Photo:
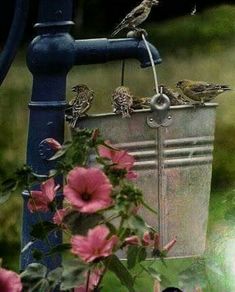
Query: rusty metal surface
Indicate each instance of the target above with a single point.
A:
(174, 165)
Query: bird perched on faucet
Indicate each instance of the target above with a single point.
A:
(201, 91)
(122, 101)
(80, 104)
(138, 15)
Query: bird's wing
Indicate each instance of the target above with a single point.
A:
(137, 11)
(200, 87)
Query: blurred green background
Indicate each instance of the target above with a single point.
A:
(200, 47)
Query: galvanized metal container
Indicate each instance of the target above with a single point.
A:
(174, 165)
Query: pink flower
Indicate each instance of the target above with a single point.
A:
(55, 145)
(59, 216)
(120, 158)
(93, 281)
(9, 281)
(132, 240)
(39, 200)
(88, 190)
(95, 245)
(169, 245)
(150, 239)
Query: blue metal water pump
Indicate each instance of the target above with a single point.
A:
(51, 54)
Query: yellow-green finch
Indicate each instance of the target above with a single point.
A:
(201, 91)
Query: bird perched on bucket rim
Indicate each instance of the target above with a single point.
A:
(80, 104)
(201, 91)
(138, 15)
(122, 101)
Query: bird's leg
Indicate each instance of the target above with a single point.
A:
(142, 31)
(202, 102)
(137, 32)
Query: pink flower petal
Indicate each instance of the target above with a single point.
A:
(88, 190)
(48, 189)
(59, 216)
(120, 158)
(132, 240)
(10, 281)
(95, 245)
(54, 144)
(39, 200)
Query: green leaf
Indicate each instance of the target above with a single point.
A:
(6, 188)
(137, 223)
(153, 273)
(132, 254)
(61, 152)
(41, 286)
(80, 223)
(4, 197)
(37, 254)
(114, 264)
(60, 248)
(8, 185)
(40, 230)
(73, 275)
(33, 274)
(135, 255)
(54, 277)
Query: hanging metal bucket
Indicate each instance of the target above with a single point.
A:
(174, 165)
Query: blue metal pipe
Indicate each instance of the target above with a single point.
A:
(50, 57)
(95, 51)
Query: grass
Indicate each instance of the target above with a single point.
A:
(215, 64)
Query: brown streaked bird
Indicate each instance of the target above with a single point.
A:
(80, 104)
(140, 102)
(201, 91)
(122, 100)
(138, 15)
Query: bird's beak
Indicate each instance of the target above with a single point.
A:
(177, 85)
(155, 2)
(74, 89)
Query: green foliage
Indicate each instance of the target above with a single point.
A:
(73, 274)
(213, 28)
(114, 264)
(37, 279)
(80, 223)
(42, 229)
(135, 255)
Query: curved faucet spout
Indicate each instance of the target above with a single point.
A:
(95, 51)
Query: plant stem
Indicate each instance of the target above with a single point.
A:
(88, 280)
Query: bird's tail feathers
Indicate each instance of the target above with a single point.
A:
(225, 87)
(117, 30)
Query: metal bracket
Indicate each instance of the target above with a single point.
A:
(160, 104)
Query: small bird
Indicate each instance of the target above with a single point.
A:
(140, 102)
(136, 16)
(80, 104)
(201, 91)
(122, 100)
(175, 97)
